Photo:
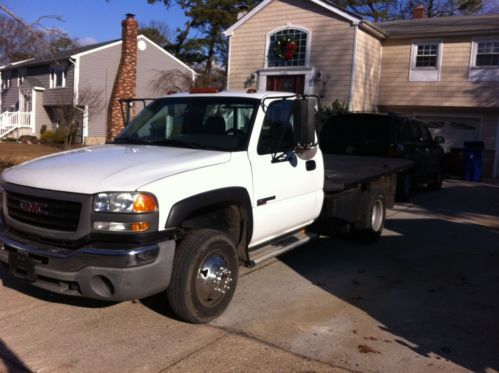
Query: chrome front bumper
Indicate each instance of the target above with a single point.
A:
(90, 272)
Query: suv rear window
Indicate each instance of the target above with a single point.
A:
(356, 134)
(408, 131)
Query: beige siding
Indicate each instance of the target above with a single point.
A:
(367, 71)
(453, 89)
(331, 45)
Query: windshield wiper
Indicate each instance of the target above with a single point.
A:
(181, 143)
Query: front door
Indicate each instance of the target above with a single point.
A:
(286, 83)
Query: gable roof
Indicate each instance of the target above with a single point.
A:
(326, 4)
(78, 51)
(57, 55)
(438, 26)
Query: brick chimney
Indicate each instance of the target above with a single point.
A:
(418, 12)
(125, 83)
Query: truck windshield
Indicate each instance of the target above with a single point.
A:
(219, 123)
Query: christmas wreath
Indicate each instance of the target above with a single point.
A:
(285, 48)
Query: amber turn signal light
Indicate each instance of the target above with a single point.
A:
(144, 203)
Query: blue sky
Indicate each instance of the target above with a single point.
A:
(94, 20)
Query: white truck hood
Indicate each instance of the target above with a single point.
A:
(109, 168)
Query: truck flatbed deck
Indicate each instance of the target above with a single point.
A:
(342, 172)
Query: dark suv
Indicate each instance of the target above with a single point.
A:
(388, 135)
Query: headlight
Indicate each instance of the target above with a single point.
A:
(134, 202)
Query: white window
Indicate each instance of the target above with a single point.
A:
(21, 75)
(6, 78)
(484, 60)
(57, 76)
(487, 53)
(288, 47)
(426, 58)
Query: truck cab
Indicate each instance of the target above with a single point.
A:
(192, 185)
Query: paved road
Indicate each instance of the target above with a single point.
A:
(425, 298)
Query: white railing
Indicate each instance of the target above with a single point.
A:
(12, 120)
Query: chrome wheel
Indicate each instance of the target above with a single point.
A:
(377, 215)
(213, 281)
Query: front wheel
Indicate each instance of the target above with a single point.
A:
(204, 277)
(369, 226)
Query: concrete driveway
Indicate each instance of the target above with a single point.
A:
(424, 298)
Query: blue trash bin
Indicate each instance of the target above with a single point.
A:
(472, 160)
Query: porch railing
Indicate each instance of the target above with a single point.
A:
(13, 120)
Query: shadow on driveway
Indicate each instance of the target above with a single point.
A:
(432, 283)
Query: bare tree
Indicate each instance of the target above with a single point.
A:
(171, 80)
(69, 115)
(20, 40)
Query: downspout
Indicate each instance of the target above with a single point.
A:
(228, 60)
(354, 66)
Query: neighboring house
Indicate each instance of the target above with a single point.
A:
(443, 70)
(31, 90)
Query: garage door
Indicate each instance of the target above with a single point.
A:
(455, 130)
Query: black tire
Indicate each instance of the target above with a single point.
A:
(405, 186)
(436, 184)
(204, 276)
(369, 226)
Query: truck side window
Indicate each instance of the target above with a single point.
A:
(277, 128)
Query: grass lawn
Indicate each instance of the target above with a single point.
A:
(15, 153)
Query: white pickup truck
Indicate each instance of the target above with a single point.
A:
(197, 184)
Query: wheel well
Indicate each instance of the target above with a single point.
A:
(228, 218)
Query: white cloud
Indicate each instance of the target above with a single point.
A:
(87, 40)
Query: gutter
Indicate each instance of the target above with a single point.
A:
(354, 67)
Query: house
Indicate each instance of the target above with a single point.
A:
(34, 91)
(443, 70)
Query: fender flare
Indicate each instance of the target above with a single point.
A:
(232, 195)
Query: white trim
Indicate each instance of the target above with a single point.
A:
(308, 83)
(33, 111)
(167, 53)
(354, 66)
(84, 133)
(53, 76)
(22, 74)
(263, 4)
(113, 44)
(421, 74)
(378, 89)
(76, 80)
(18, 62)
(282, 28)
(138, 37)
(229, 46)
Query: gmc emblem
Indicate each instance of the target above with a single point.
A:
(35, 208)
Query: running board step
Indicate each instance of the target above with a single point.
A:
(280, 246)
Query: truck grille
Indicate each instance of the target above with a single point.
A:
(44, 212)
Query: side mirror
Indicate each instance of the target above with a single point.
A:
(439, 140)
(303, 125)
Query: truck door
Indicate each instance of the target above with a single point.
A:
(287, 190)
